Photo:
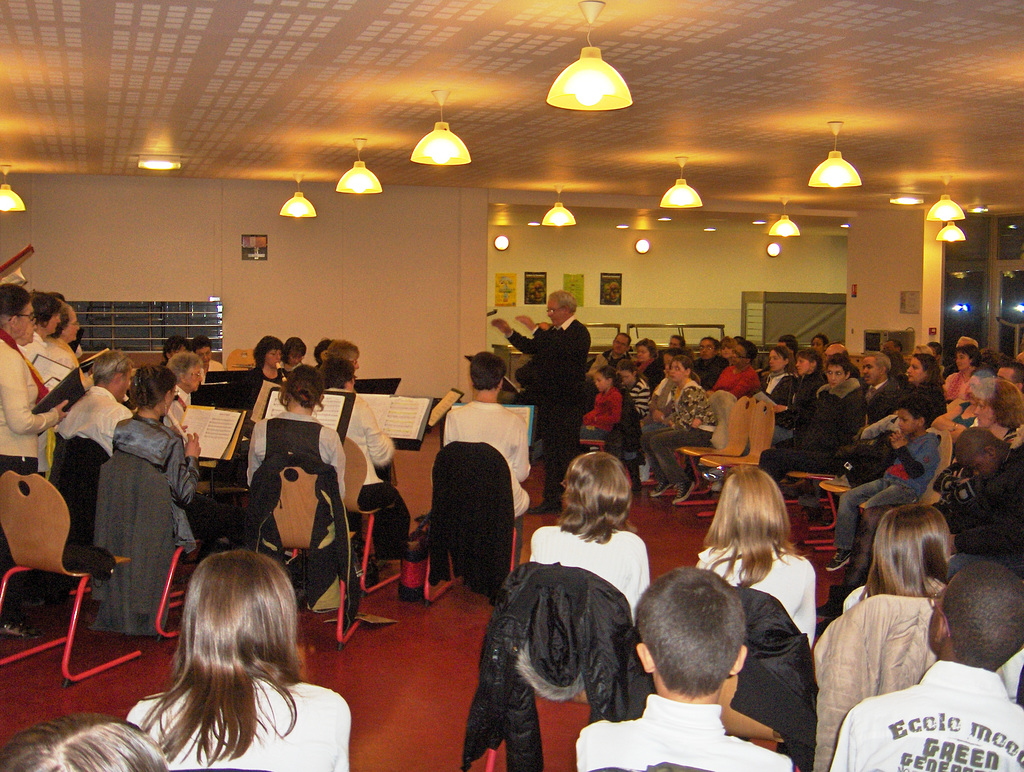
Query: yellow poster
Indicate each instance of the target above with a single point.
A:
(504, 289)
(573, 282)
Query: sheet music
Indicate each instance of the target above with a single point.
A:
(444, 406)
(50, 370)
(400, 418)
(329, 415)
(216, 428)
(525, 412)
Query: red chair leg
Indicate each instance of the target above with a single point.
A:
(340, 633)
(169, 599)
(492, 759)
(65, 664)
(366, 561)
(35, 649)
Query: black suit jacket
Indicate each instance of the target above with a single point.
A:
(559, 360)
(885, 400)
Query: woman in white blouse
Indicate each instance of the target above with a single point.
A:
(592, 531)
(748, 545)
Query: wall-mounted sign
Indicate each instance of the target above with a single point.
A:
(254, 247)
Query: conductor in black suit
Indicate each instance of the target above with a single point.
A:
(559, 351)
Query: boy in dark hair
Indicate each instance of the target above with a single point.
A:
(692, 626)
(904, 482)
(959, 716)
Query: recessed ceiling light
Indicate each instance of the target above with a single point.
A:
(845, 225)
(905, 199)
(533, 223)
(710, 230)
(160, 163)
(759, 222)
(643, 246)
(664, 219)
(978, 209)
(1012, 226)
(774, 249)
(622, 226)
(501, 243)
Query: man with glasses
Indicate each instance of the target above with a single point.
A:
(559, 350)
(709, 363)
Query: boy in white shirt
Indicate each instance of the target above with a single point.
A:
(692, 626)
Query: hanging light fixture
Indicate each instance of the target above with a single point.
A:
(681, 195)
(359, 179)
(298, 205)
(9, 200)
(784, 227)
(944, 210)
(834, 172)
(950, 232)
(558, 216)
(441, 147)
(590, 83)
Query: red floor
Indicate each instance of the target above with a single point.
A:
(409, 684)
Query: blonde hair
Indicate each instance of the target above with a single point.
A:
(750, 527)
(910, 554)
(597, 497)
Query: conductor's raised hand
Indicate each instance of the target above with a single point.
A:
(502, 326)
(527, 322)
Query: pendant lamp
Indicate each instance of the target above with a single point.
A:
(590, 83)
(558, 216)
(9, 200)
(944, 210)
(834, 172)
(950, 233)
(359, 179)
(441, 147)
(784, 227)
(681, 195)
(298, 205)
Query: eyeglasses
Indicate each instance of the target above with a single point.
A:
(24, 316)
(550, 310)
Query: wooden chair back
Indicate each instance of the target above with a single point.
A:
(738, 427)
(240, 359)
(296, 508)
(355, 474)
(739, 725)
(762, 427)
(35, 520)
(931, 496)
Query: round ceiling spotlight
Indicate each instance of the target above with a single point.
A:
(642, 246)
(774, 249)
(501, 243)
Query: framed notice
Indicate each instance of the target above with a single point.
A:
(611, 289)
(254, 247)
(505, 289)
(573, 283)
(535, 290)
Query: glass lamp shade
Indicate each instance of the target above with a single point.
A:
(558, 216)
(589, 83)
(441, 147)
(298, 206)
(944, 210)
(834, 172)
(784, 227)
(9, 200)
(950, 233)
(681, 196)
(359, 179)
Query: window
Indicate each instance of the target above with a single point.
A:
(144, 326)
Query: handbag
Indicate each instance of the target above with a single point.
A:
(866, 460)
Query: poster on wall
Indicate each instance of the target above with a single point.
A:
(611, 289)
(254, 247)
(535, 293)
(573, 283)
(504, 289)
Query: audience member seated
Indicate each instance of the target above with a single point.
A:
(20, 389)
(635, 387)
(292, 353)
(648, 363)
(691, 423)
(173, 345)
(959, 715)
(968, 359)
(839, 413)
(748, 545)
(778, 383)
(897, 364)
(692, 629)
(484, 420)
(904, 482)
(1001, 411)
(391, 523)
(619, 352)
(140, 510)
(607, 406)
(236, 697)
(1012, 371)
(834, 348)
(794, 415)
(924, 376)
(676, 341)
(881, 393)
(709, 363)
(740, 378)
(984, 507)
(790, 342)
(82, 742)
(188, 372)
(266, 355)
(819, 343)
(203, 346)
(593, 530)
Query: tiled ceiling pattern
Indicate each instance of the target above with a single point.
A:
(264, 89)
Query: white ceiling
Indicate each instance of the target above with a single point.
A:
(269, 88)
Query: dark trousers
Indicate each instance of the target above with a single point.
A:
(778, 461)
(391, 523)
(11, 612)
(560, 429)
(210, 521)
